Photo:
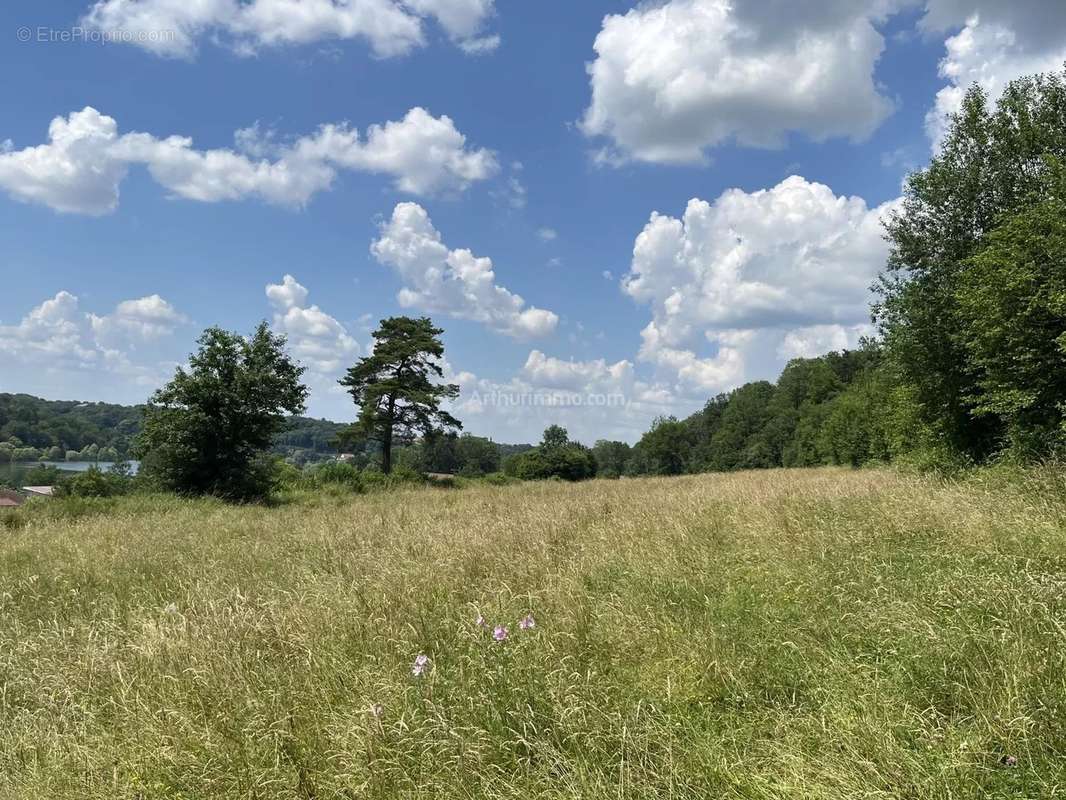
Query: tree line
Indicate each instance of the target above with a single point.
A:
(33, 429)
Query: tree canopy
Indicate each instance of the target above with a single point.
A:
(993, 164)
(208, 429)
(394, 386)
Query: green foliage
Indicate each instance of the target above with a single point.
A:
(1012, 300)
(44, 476)
(851, 431)
(993, 164)
(68, 425)
(97, 483)
(448, 453)
(802, 421)
(335, 473)
(304, 440)
(611, 458)
(664, 450)
(63, 431)
(209, 429)
(555, 457)
(393, 386)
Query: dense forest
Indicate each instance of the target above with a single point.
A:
(821, 411)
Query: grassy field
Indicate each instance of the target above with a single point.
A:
(787, 634)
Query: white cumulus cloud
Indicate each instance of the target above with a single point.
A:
(672, 79)
(727, 273)
(998, 43)
(143, 319)
(815, 340)
(59, 338)
(454, 282)
(173, 28)
(81, 167)
(315, 339)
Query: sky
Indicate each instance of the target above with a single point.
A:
(614, 210)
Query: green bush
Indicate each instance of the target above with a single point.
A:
(570, 462)
(44, 476)
(96, 483)
(498, 479)
(336, 473)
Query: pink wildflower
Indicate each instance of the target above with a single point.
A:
(499, 633)
(421, 662)
(527, 622)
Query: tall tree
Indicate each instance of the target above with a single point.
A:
(208, 430)
(990, 164)
(394, 389)
(1012, 298)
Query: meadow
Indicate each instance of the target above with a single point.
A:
(822, 633)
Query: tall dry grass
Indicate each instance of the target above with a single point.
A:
(785, 634)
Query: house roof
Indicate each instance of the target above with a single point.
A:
(10, 499)
(45, 490)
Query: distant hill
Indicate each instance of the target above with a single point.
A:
(56, 427)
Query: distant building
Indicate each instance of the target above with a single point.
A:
(39, 491)
(346, 457)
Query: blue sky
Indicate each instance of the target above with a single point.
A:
(542, 136)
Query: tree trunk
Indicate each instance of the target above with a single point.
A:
(386, 440)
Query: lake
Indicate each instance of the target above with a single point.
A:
(13, 473)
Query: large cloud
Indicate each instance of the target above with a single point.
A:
(672, 79)
(453, 282)
(317, 340)
(786, 259)
(83, 164)
(391, 27)
(998, 42)
(58, 338)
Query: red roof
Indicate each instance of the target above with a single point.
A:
(7, 502)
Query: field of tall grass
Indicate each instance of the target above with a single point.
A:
(783, 634)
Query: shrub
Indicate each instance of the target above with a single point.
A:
(96, 483)
(44, 476)
(337, 473)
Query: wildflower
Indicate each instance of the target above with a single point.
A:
(499, 633)
(377, 710)
(421, 662)
(1009, 761)
(480, 621)
(527, 622)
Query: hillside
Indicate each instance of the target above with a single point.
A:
(71, 425)
(821, 633)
